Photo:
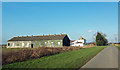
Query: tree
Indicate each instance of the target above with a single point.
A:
(100, 39)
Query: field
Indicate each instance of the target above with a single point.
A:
(72, 59)
(118, 47)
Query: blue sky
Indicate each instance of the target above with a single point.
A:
(60, 0)
(73, 18)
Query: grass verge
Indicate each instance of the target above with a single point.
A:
(118, 47)
(72, 59)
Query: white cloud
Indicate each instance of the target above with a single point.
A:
(90, 31)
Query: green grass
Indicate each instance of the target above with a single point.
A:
(72, 59)
(118, 47)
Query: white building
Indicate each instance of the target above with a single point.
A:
(80, 42)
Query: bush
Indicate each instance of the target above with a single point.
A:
(14, 56)
(40, 52)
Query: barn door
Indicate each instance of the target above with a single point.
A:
(32, 45)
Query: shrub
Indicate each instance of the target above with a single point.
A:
(14, 56)
(40, 52)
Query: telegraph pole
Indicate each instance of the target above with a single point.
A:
(115, 38)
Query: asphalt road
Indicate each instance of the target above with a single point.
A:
(107, 58)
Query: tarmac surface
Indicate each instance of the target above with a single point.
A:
(107, 59)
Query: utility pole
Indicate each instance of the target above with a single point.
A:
(115, 38)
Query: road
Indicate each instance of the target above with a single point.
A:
(107, 58)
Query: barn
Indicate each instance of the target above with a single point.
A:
(57, 40)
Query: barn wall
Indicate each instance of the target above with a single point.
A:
(48, 43)
(19, 44)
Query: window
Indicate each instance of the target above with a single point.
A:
(51, 43)
(45, 42)
(27, 44)
(12, 44)
(58, 43)
(39, 43)
(8, 44)
(22, 44)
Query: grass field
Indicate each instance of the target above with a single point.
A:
(73, 59)
(118, 47)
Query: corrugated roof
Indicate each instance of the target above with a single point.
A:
(36, 38)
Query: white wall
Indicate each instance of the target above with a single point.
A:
(78, 44)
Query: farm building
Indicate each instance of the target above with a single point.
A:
(80, 42)
(39, 41)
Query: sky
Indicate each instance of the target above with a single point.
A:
(60, 0)
(72, 18)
